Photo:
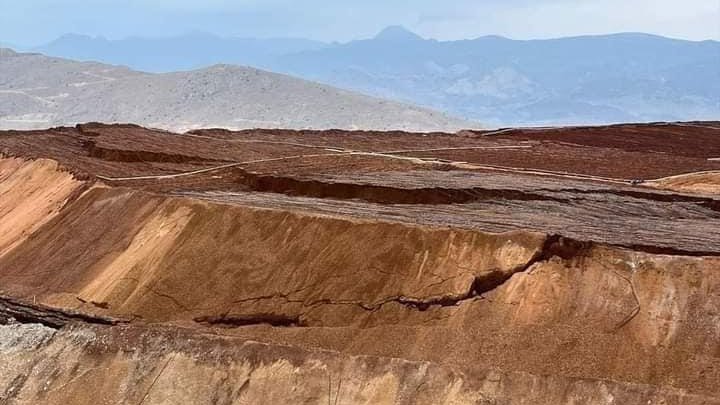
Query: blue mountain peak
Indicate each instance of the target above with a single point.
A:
(397, 33)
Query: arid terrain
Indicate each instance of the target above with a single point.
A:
(39, 92)
(573, 265)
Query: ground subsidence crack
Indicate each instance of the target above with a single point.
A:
(23, 312)
(554, 246)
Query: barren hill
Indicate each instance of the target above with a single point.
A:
(41, 92)
(624, 77)
(351, 267)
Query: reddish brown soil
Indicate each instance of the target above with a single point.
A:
(318, 171)
(622, 152)
(698, 139)
(522, 265)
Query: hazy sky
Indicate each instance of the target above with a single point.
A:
(29, 22)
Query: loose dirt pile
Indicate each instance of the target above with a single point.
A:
(707, 183)
(341, 267)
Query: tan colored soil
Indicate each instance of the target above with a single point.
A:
(707, 183)
(340, 280)
(32, 192)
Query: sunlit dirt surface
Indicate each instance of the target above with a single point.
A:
(557, 265)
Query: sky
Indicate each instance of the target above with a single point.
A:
(33, 22)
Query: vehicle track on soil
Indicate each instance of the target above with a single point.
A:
(209, 169)
(398, 155)
(683, 175)
(413, 159)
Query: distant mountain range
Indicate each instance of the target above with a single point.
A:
(37, 91)
(494, 80)
(186, 52)
(614, 78)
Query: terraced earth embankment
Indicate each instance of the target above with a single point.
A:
(336, 267)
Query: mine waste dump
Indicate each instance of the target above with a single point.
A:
(576, 265)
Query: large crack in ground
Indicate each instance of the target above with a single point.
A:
(144, 156)
(650, 195)
(439, 195)
(234, 321)
(554, 246)
(24, 312)
(383, 194)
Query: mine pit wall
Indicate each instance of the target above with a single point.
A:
(156, 366)
(366, 288)
(31, 193)
(166, 259)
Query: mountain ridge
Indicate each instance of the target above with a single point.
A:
(41, 92)
(506, 82)
(586, 79)
(397, 33)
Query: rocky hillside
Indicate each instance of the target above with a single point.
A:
(41, 92)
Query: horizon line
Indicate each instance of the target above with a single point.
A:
(190, 33)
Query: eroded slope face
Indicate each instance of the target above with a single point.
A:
(32, 193)
(366, 273)
(134, 365)
(176, 251)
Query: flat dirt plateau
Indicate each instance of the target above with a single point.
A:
(520, 266)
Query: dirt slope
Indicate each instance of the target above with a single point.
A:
(707, 183)
(359, 276)
(32, 193)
